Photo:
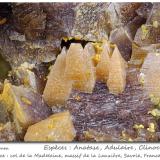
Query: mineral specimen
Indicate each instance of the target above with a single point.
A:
(30, 19)
(102, 68)
(17, 52)
(94, 21)
(123, 105)
(132, 27)
(31, 36)
(108, 114)
(35, 30)
(151, 72)
(23, 75)
(79, 68)
(58, 87)
(89, 47)
(123, 40)
(75, 68)
(60, 20)
(127, 11)
(117, 73)
(87, 85)
(147, 34)
(57, 127)
(91, 21)
(139, 53)
(25, 105)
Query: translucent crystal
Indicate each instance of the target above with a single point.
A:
(102, 68)
(90, 49)
(151, 72)
(138, 55)
(117, 73)
(75, 68)
(57, 127)
(88, 83)
(58, 88)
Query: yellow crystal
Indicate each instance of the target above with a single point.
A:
(14, 98)
(88, 83)
(155, 112)
(58, 88)
(102, 68)
(151, 128)
(58, 127)
(75, 68)
(117, 73)
(140, 126)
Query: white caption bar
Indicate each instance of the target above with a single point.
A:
(85, 151)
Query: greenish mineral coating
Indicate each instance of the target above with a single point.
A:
(155, 100)
(145, 32)
(149, 32)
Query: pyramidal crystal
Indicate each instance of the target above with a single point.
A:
(117, 73)
(88, 83)
(102, 68)
(90, 49)
(58, 88)
(75, 68)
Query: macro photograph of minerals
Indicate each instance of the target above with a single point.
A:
(80, 72)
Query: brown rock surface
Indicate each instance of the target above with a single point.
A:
(111, 114)
(7, 133)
